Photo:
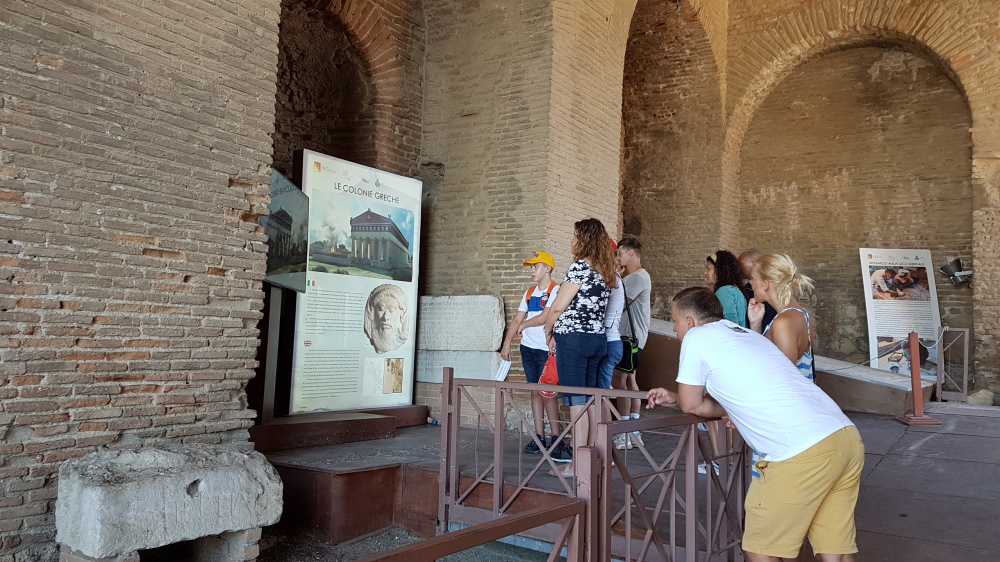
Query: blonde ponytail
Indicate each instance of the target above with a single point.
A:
(780, 271)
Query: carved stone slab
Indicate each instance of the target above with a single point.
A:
(468, 364)
(115, 502)
(464, 323)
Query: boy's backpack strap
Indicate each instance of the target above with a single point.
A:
(531, 291)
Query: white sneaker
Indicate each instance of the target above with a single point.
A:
(622, 442)
(703, 468)
(637, 438)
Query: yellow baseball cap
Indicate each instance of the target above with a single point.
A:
(542, 257)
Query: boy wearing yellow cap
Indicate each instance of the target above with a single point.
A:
(535, 350)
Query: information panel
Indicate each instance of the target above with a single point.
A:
(900, 297)
(355, 325)
(287, 237)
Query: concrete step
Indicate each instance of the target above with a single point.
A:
(331, 428)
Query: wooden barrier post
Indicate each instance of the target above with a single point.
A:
(918, 417)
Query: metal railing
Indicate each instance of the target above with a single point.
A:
(948, 387)
(644, 503)
(571, 514)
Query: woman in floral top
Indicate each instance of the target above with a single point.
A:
(575, 325)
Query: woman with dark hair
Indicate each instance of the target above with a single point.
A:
(575, 323)
(722, 270)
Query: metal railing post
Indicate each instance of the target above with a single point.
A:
(918, 417)
(499, 425)
(603, 444)
(726, 475)
(588, 484)
(690, 493)
(447, 460)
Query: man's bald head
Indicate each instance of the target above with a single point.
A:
(746, 260)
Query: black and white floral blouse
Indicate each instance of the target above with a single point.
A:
(585, 312)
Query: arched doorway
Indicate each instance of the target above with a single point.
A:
(672, 132)
(865, 146)
(325, 94)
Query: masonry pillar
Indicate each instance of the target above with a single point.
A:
(550, 155)
(521, 139)
(986, 263)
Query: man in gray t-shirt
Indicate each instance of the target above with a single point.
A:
(637, 289)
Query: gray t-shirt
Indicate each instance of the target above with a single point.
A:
(637, 288)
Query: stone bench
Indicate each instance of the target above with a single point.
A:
(111, 504)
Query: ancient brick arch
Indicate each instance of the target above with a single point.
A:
(936, 32)
(820, 28)
(389, 33)
(325, 99)
(672, 143)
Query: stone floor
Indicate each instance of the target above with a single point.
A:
(929, 493)
(302, 549)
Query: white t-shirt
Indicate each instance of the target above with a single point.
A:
(613, 314)
(778, 411)
(534, 337)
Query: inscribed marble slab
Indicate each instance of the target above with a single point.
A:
(467, 364)
(460, 323)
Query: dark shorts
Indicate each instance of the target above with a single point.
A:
(533, 361)
(578, 356)
(638, 354)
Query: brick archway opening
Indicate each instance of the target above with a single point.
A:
(326, 101)
(326, 97)
(672, 139)
(863, 145)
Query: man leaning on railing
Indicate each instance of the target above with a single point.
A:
(811, 454)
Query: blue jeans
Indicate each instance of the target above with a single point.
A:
(533, 361)
(607, 366)
(577, 357)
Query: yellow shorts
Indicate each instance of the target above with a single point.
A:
(812, 493)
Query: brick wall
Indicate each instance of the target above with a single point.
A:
(714, 17)
(588, 50)
(484, 154)
(521, 139)
(134, 144)
(672, 114)
(485, 125)
(865, 147)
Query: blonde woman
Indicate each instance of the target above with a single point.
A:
(776, 280)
